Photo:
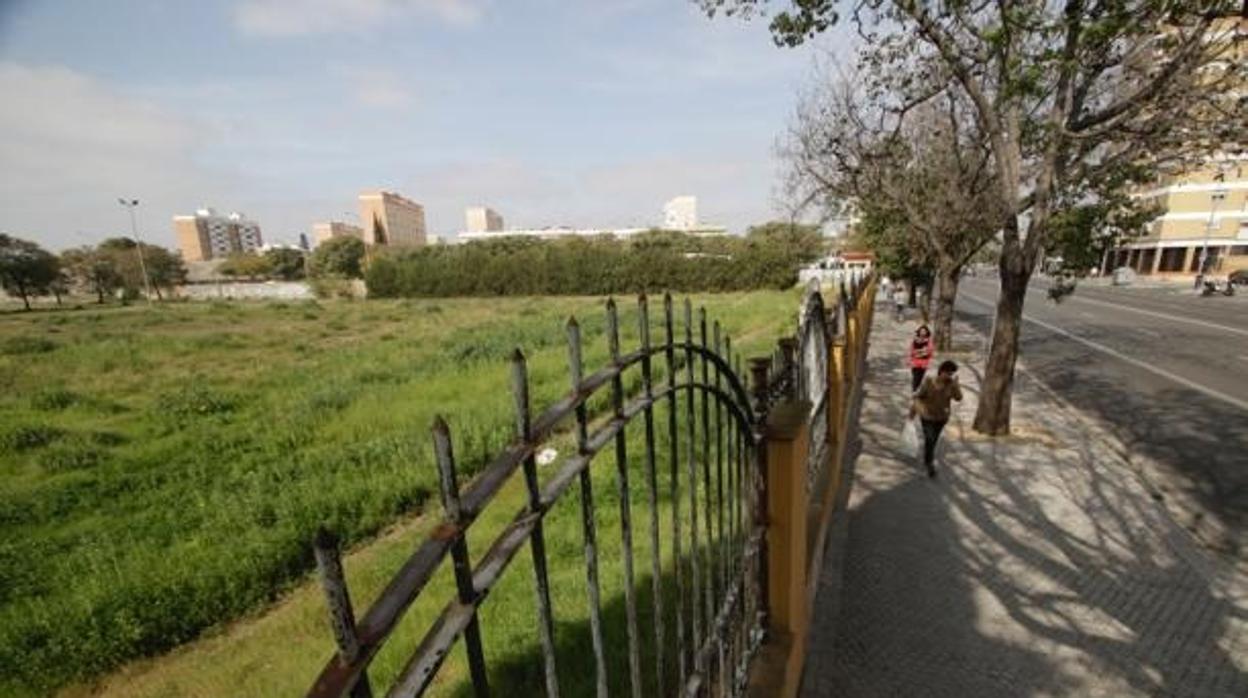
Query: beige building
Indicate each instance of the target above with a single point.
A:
(481, 219)
(1205, 219)
(390, 219)
(322, 232)
(209, 235)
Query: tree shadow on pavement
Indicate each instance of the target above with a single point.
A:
(909, 622)
(1111, 584)
(1190, 447)
(1024, 569)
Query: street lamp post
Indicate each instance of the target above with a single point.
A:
(1215, 198)
(130, 205)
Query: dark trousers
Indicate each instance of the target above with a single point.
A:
(916, 378)
(931, 433)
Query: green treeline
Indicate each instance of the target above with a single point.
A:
(766, 258)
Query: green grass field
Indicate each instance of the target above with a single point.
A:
(163, 472)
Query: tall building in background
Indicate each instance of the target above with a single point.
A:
(681, 213)
(210, 235)
(390, 219)
(322, 232)
(481, 219)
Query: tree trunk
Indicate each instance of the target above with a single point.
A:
(993, 415)
(26, 299)
(947, 295)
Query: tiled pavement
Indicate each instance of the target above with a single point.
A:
(1036, 565)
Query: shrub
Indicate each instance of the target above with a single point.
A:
(22, 344)
(28, 437)
(194, 401)
(54, 399)
(72, 455)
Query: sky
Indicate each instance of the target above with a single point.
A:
(552, 112)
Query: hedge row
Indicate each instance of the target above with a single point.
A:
(765, 259)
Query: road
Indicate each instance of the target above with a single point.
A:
(1167, 372)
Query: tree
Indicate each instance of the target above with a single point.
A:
(338, 257)
(247, 265)
(165, 269)
(286, 263)
(1063, 92)
(92, 269)
(923, 176)
(801, 241)
(26, 269)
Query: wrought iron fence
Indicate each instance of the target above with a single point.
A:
(716, 489)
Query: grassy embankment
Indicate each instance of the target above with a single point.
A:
(163, 471)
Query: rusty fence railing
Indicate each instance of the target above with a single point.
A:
(723, 547)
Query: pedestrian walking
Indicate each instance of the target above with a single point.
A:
(899, 302)
(931, 404)
(886, 285)
(920, 356)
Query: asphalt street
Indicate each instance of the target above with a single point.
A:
(1166, 371)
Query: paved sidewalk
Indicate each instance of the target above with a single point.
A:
(1035, 565)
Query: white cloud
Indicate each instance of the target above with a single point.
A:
(307, 17)
(71, 145)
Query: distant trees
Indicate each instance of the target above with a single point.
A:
(92, 269)
(286, 263)
(26, 269)
(165, 269)
(247, 265)
(768, 257)
(341, 257)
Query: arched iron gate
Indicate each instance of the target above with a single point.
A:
(719, 596)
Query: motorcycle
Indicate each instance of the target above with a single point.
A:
(1211, 288)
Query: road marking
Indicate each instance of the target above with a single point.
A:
(1176, 318)
(1241, 404)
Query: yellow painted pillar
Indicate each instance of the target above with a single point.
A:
(788, 438)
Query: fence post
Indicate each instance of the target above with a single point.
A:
(836, 401)
(337, 598)
(787, 437)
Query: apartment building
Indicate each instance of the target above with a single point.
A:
(390, 219)
(322, 232)
(482, 219)
(209, 235)
(1205, 221)
(1203, 227)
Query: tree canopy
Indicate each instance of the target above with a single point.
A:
(342, 257)
(1066, 96)
(26, 269)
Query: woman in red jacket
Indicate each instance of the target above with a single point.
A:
(920, 356)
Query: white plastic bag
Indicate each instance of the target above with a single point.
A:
(910, 435)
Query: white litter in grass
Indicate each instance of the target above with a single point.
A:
(546, 456)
